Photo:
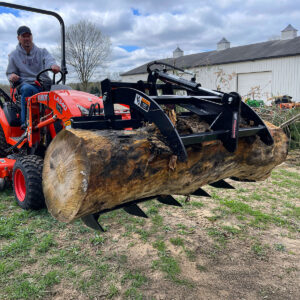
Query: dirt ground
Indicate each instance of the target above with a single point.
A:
(260, 262)
(237, 244)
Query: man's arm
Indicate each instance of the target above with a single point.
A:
(12, 70)
(50, 62)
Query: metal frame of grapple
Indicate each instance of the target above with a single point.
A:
(222, 111)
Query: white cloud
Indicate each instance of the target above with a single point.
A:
(156, 28)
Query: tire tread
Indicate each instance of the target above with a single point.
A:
(31, 167)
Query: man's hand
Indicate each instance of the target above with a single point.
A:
(55, 69)
(14, 77)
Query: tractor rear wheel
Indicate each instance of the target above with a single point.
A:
(27, 182)
(3, 143)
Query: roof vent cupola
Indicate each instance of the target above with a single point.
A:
(288, 33)
(223, 44)
(177, 52)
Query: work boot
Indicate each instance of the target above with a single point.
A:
(24, 126)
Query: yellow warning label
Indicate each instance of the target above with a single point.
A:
(143, 103)
(68, 123)
(146, 101)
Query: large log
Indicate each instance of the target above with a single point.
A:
(88, 171)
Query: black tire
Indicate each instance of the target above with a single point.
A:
(2, 184)
(27, 182)
(3, 144)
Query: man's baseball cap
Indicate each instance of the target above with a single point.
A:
(23, 29)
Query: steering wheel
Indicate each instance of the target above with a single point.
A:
(53, 79)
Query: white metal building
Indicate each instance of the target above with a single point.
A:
(256, 71)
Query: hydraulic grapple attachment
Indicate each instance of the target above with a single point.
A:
(222, 111)
(228, 117)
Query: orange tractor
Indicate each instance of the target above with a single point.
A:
(57, 107)
(285, 102)
(48, 112)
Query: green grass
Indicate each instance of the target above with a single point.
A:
(7, 267)
(231, 230)
(98, 239)
(45, 243)
(279, 247)
(260, 250)
(157, 220)
(242, 209)
(20, 245)
(50, 278)
(59, 259)
(132, 293)
(22, 289)
(168, 265)
(177, 241)
(137, 279)
(113, 291)
(292, 175)
(30, 286)
(201, 268)
(160, 245)
(184, 230)
(218, 235)
(191, 255)
(39, 256)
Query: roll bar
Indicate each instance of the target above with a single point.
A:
(62, 26)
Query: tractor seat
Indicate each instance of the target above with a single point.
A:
(12, 113)
(17, 95)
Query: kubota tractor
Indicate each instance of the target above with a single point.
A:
(48, 112)
(57, 107)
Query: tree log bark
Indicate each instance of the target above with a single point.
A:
(88, 171)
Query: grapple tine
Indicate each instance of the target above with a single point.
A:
(242, 180)
(92, 222)
(222, 184)
(135, 210)
(201, 192)
(169, 200)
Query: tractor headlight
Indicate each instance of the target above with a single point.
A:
(84, 111)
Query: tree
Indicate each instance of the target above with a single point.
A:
(96, 91)
(78, 87)
(86, 49)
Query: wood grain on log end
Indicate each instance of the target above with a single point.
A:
(65, 176)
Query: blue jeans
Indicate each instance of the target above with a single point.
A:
(27, 90)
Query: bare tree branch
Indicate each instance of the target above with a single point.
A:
(86, 49)
(290, 121)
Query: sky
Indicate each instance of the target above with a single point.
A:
(144, 30)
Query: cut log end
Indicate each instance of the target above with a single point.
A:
(65, 176)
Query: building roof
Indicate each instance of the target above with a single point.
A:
(289, 28)
(223, 40)
(178, 49)
(265, 50)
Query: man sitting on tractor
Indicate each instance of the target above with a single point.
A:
(25, 62)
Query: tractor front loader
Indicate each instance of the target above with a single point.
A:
(83, 157)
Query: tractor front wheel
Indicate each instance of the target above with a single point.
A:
(27, 182)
